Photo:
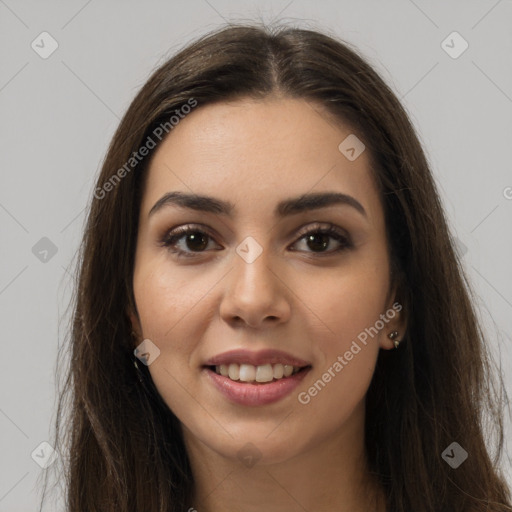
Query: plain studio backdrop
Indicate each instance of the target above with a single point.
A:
(69, 70)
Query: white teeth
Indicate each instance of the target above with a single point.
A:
(247, 373)
(234, 371)
(251, 373)
(264, 373)
(278, 371)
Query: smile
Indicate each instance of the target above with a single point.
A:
(253, 392)
(251, 373)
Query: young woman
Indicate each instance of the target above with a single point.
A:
(269, 313)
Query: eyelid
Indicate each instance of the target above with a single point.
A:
(320, 226)
(182, 230)
(331, 230)
(328, 228)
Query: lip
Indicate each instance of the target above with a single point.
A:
(268, 356)
(255, 394)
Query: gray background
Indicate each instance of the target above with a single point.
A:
(58, 115)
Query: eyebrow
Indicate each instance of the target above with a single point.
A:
(294, 205)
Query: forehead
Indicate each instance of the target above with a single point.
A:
(256, 152)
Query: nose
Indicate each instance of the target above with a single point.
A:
(254, 294)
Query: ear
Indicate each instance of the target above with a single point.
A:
(395, 321)
(135, 325)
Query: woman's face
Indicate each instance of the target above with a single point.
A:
(258, 284)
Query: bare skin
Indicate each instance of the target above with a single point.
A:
(294, 297)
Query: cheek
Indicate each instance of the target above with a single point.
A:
(345, 301)
(175, 308)
(336, 387)
(166, 298)
(345, 330)
(168, 306)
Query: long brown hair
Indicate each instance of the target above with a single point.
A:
(122, 446)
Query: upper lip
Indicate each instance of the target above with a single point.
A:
(268, 356)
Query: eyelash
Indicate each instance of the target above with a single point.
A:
(171, 238)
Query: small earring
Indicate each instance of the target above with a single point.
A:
(392, 336)
(138, 371)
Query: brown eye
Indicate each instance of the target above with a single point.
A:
(187, 241)
(196, 241)
(319, 239)
(190, 241)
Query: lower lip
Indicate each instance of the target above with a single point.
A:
(246, 393)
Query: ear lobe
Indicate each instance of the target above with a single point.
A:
(396, 327)
(134, 321)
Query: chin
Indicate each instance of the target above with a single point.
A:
(261, 446)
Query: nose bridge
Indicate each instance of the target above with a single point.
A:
(255, 292)
(253, 271)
